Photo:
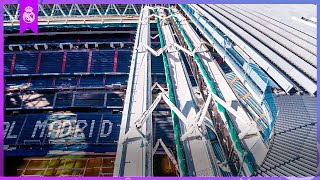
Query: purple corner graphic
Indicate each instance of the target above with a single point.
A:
(29, 16)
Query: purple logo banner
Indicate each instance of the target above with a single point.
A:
(29, 15)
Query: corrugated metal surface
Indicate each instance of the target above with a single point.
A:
(293, 151)
(267, 66)
(281, 15)
(249, 101)
(278, 45)
(292, 69)
(302, 48)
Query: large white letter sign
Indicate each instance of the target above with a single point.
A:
(79, 129)
(91, 128)
(6, 128)
(53, 129)
(9, 136)
(39, 125)
(104, 122)
(66, 128)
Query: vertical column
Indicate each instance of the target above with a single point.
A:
(13, 62)
(129, 40)
(54, 82)
(104, 80)
(39, 61)
(78, 82)
(29, 81)
(154, 79)
(64, 61)
(115, 61)
(89, 61)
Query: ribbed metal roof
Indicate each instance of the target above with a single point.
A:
(266, 35)
(293, 151)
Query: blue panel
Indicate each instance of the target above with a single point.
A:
(63, 99)
(89, 99)
(157, 64)
(26, 62)
(13, 81)
(7, 62)
(51, 62)
(123, 63)
(116, 79)
(27, 136)
(92, 121)
(41, 82)
(67, 81)
(102, 61)
(13, 130)
(193, 81)
(110, 128)
(95, 131)
(114, 99)
(91, 81)
(67, 123)
(77, 62)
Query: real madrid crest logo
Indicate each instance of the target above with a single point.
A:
(28, 15)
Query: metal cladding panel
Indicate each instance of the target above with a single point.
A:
(13, 81)
(293, 150)
(250, 74)
(276, 59)
(51, 62)
(32, 133)
(89, 99)
(87, 128)
(250, 101)
(298, 36)
(102, 61)
(257, 76)
(76, 61)
(12, 128)
(70, 81)
(42, 82)
(284, 19)
(7, 62)
(298, 62)
(313, 59)
(309, 57)
(306, 83)
(110, 129)
(274, 33)
(218, 36)
(24, 64)
(309, 69)
(301, 64)
(277, 75)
